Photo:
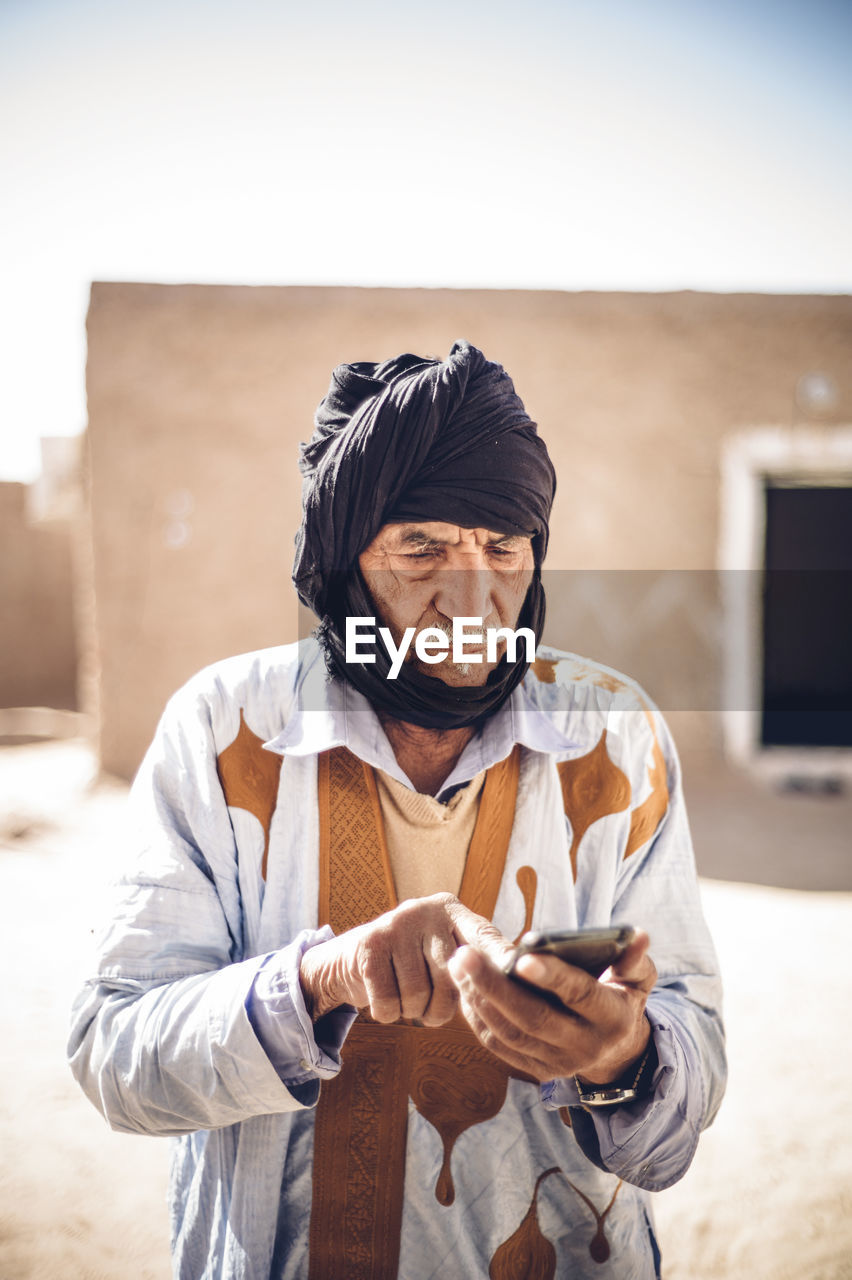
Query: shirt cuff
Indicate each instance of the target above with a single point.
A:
(303, 1053)
(649, 1142)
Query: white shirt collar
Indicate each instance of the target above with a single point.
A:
(332, 713)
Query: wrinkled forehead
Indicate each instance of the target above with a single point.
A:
(407, 533)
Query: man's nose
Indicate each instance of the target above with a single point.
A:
(464, 593)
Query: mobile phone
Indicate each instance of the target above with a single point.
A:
(590, 949)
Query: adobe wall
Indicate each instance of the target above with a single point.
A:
(38, 650)
(199, 396)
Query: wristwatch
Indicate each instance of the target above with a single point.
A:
(637, 1084)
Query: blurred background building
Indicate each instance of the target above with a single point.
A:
(702, 533)
(40, 527)
(681, 425)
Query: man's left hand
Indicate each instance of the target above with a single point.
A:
(596, 1031)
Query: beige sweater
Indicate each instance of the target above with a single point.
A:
(427, 841)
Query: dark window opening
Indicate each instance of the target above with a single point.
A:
(807, 617)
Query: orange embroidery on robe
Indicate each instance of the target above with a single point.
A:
(592, 788)
(527, 1254)
(486, 857)
(249, 777)
(455, 1086)
(608, 680)
(602, 679)
(361, 887)
(647, 816)
(359, 1164)
(544, 669)
(527, 881)
(359, 1156)
(599, 1246)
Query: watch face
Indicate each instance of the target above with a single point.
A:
(605, 1097)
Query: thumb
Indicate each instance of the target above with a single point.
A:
(634, 966)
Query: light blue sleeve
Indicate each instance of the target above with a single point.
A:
(162, 1040)
(302, 1053)
(651, 1142)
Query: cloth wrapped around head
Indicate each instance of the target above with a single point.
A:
(406, 440)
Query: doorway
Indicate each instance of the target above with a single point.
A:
(807, 615)
(785, 559)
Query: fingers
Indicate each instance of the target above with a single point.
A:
(396, 981)
(503, 1038)
(444, 997)
(395, 974)
(405, 960)
(574, 988)
(402, 962)
(421, 959)
(577, 989)
(508, 1020)
(592, 1027)
(500, 1000)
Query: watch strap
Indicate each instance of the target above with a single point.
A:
(633, 1084)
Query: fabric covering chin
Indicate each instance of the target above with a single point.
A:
(406, 440)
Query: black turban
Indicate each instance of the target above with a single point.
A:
(417, 439)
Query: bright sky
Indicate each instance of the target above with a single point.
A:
(576, 144)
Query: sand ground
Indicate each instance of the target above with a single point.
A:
(769, 1196)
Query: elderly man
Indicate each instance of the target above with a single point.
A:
(304, 977)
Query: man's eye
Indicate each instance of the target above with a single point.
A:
(419, 557)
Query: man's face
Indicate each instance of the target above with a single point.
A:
(427, 573)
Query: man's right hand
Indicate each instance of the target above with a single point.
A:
(395, 966)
